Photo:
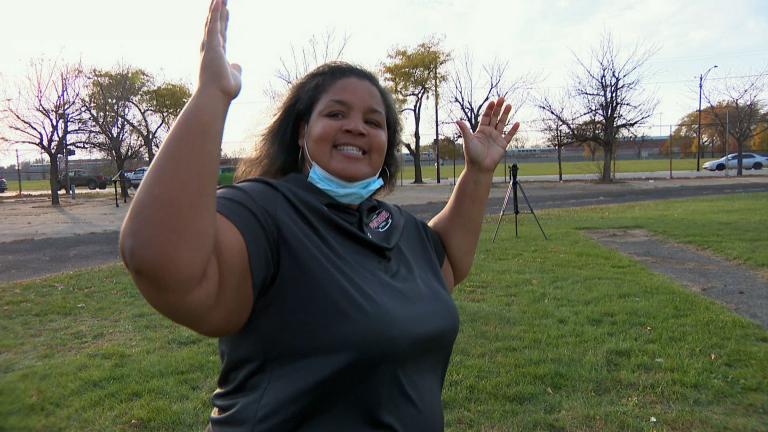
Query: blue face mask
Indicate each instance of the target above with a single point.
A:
(343, 191)
(352, 193)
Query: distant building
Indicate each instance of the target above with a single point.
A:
(41, 171)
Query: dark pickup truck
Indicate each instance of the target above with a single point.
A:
(80, 177)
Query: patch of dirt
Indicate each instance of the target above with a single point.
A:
(738, 287)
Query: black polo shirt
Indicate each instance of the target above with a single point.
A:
(352, 326)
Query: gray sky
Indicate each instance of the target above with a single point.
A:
(540, 38)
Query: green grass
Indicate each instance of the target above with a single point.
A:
(28, 185)
(567, 335)
(556, 335)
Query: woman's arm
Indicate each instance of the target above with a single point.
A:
(190, 263)
(458, 224)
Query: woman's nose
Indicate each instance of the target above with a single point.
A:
(355, 126)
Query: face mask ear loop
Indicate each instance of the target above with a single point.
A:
(387, 171)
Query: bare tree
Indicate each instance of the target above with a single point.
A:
(319, 49)
(469, 89)
(608, 97)
(740, 112)
(556, 133)
(47, 114)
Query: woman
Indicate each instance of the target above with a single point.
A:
(332, 308)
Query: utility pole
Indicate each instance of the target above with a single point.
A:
(725, 141)
(437, 132)
(18, 170)
(66, 168)
(670, 151)
(698, 147)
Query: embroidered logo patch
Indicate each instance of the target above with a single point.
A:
(380, 221)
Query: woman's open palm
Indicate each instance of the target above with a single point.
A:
(484, 148)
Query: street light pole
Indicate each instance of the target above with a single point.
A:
(698, 147)
(437, 133)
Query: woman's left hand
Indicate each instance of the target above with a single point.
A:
(484, 148)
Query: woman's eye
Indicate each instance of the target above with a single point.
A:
(335, 114)
(374, 123)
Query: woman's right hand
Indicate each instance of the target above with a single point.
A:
(216, 73)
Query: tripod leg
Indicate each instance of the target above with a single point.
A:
(516, 224)
(501, 214)
(532, 212)
(515, 205)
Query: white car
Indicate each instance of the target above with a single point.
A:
(136, 176)
(748, 161)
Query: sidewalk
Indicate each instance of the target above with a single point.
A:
(35, 218)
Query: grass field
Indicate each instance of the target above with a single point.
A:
(447, 171)
(556, 335)
(28, 185)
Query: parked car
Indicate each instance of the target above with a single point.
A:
(80, 177)
(136, 176)
(3, 185)
(748, 161)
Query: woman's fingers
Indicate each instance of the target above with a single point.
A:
(485, 119)
(464, 129)
(502, 123)
(496, 114)
(498, 106)
(511, 133)
(207, 30)
(224, 23)
(213, 26)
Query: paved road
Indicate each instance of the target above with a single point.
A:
(37, 240)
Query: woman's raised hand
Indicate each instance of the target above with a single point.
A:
(216, 73)
(484, 148)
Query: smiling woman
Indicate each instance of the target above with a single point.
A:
(332, 307)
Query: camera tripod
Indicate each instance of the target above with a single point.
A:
(514, 184)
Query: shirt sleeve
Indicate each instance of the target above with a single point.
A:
(256, 225)
(437, 243)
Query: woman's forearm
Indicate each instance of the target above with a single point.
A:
(169, 232)
(459, 223)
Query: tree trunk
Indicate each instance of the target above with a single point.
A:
(53, 172)
(560, 162)
(417, 179)
(120, 164)
(607, 153)
(150, 151)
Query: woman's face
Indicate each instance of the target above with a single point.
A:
(347, 131)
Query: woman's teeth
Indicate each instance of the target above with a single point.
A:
(349, 149)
